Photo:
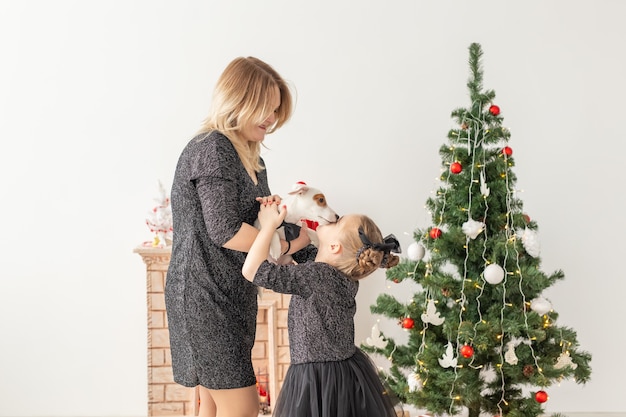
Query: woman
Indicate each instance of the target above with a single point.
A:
(211, 308)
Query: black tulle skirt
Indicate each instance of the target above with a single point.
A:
(348, 388)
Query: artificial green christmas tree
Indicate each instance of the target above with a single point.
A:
(481, 333)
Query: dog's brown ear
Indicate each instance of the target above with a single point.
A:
(320, 199)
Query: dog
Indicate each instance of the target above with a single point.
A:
(303, 204)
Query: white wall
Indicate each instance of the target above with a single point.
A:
(97, 99)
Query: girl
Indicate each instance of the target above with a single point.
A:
(329, 376)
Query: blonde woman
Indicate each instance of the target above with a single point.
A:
(211, 307)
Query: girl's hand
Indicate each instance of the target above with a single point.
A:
(269, 215)
(303, 237)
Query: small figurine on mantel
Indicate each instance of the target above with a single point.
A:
(160, 221)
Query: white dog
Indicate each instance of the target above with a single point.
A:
(304, 203)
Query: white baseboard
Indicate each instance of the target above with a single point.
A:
(592, 414)
(569, 414)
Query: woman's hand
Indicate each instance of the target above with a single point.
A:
(270, 199)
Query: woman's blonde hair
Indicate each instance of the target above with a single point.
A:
(243, 95)
(358, 259)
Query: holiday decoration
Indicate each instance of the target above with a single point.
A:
(494, 274)
(484, 190)
(456, 168)
(467, 351)
(473, 228)
(431, 315)
(435, 233)
(541, 396)
(528, 371)
(414, 381)
(563, 361)
(540, 305)
(509, 356)
(448, 360)
(376, 338)
(477, 339)
(415, 251)
(530, 241)
(408, 323)
(160, 220)
(262, 386)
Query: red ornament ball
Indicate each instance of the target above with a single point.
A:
(467, 351)
(456, 168)
(507, 151)
(407, 323)
(541, 396)
(435, 233)
(495, 110)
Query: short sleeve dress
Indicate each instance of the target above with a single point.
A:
(211, 308)
(329, 376)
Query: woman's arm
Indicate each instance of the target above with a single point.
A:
(242, 240)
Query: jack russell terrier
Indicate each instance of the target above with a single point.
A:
(304, 203)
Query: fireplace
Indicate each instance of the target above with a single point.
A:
(270, 354)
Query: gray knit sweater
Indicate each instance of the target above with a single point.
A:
(321, 311)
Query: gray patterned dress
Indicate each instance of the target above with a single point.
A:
(329, 376)
(211, 307)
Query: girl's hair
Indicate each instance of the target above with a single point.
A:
(244, 95)
(358, 259)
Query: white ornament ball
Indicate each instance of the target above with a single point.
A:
(494, 274)
(416, 251)
(540, 306)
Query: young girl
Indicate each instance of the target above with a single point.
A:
(329, 376)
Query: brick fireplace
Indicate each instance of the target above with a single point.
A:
(270, 354)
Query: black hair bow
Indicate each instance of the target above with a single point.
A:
(390, 243)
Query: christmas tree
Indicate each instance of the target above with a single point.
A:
(481, 334)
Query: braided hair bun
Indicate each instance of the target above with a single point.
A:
(365, 248)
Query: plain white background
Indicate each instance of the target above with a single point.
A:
(98, 98)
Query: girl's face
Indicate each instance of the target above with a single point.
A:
(256, 133)
(333, 232)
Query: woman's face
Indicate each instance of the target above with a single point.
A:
(256, 133)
